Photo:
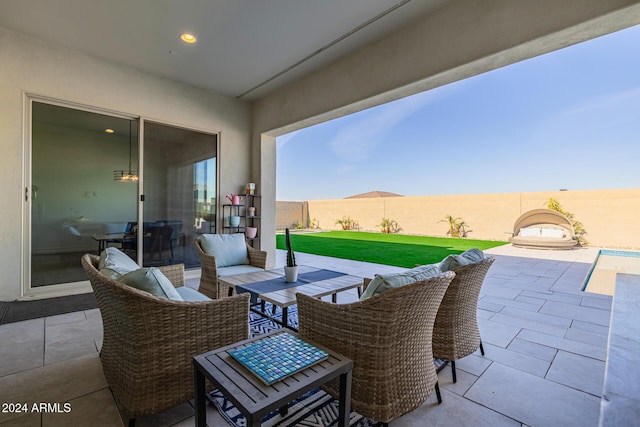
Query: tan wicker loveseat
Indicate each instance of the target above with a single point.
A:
(389, 338)
(149, 342)
(212, 267)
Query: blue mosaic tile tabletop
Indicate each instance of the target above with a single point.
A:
(276, 357)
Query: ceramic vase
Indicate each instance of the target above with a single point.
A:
(291, 274)
(234, 221)
(251, 232)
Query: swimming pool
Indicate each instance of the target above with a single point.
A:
(602, 275)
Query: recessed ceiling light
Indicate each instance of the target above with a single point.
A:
(188, 38)
(109, 130)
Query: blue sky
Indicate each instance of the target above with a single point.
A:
(568, 119)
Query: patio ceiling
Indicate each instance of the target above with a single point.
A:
(244, 49)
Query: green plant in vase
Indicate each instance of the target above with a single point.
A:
(291, 269)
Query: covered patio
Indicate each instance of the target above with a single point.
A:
(545, 342)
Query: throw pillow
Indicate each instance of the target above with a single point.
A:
(554, 233)
(530, 232)
(153, 281)
(424, 272)
(114, 263)
(452, 262)
(473, 255)
(229, 249)
(383, 282)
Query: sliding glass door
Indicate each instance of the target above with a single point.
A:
(75, 202)
(180, 189)
(86, 190)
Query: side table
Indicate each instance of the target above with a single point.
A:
(252, 397)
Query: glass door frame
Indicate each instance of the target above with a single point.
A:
(141, 146)
(71, 288)
(54, 289)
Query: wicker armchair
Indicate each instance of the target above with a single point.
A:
(456, 333)
(149, 342)
(388, 336)
(209, 278)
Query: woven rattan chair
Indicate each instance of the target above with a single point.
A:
(209, 277)
(388, 336)
(456, 333)
(149, 342)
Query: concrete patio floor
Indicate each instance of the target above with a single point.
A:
(545, 349)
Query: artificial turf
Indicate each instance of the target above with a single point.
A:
(391, 249)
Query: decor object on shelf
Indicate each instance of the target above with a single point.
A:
(251, 211)
(126, 175)
(251, 188)
(234, 221)
(291, 269)
(233, 198)
(251, 232)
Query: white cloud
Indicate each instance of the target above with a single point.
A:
(282, 140)
(363, 132)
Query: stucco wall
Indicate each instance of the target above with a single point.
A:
(36, 67)
(609, 216)
(288, 214)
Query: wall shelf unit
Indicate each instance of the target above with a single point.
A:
(248, 217)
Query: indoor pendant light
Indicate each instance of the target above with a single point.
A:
(128, 175)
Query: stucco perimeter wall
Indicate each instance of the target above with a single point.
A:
(609, 216)
(288, 214)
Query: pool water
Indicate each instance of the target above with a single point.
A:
(602, 276)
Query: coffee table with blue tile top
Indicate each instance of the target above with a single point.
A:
(251, 394)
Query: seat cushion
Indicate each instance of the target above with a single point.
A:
(114, 263)
(553, 233)
(530, 232)
(454, 261)
(229, 249)
(383, 282)
(151, 280)
(191, 295)
(237, 269)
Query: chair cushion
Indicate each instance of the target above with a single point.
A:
(383, 282)
(530, 232)
(191, 295)
(424, 272)
(229, 249)
(151, 280)
(454, 261)
(237, 269)
(114, 263)
(554, 233)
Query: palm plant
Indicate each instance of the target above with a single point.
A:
(578, 227)
(457, 226)
(347, 223)
(389, 226)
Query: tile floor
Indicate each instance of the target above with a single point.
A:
(545, 344)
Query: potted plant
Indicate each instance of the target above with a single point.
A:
(291, 269)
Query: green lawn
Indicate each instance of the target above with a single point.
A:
(391, 249)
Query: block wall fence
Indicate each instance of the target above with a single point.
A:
(611, 217)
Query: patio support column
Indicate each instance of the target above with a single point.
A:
(267, 187)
